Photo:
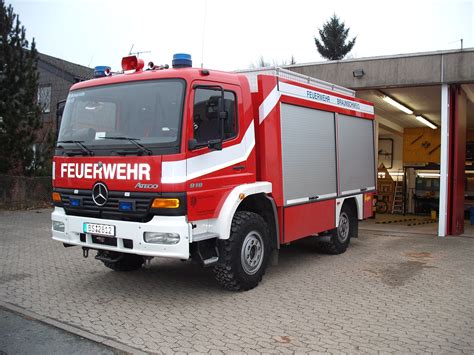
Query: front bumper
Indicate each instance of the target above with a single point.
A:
(73, 228)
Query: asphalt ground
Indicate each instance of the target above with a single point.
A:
(25, 335)
(389, 293)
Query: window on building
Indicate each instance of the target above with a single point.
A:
(206, 108)
(44, 98)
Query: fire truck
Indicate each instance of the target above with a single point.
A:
(215, 167)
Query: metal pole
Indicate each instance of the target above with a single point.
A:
(443, 188)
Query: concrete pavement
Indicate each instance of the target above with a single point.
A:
(387, 293)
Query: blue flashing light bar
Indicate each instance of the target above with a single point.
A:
(101, 71)
(182, 60)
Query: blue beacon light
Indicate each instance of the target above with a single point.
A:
(102, 70)
(182, 60)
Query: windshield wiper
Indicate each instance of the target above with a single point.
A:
(131, 140)
(79, 143)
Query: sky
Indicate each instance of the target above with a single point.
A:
(231, 35)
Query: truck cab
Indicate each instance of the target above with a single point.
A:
(146, 160)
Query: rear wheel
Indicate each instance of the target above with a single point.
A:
(340, 237)
(244, 256)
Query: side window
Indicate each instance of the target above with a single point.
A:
(206, 109)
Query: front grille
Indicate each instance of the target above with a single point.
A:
(87, 208)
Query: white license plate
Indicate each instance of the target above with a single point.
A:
(100, 229)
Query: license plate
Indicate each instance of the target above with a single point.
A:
(100, 229)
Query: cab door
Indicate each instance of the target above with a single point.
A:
(213, 172)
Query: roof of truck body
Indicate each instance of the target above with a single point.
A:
(188, 74)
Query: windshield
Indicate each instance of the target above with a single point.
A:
(148, 112)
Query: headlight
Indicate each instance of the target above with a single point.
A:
(58, 226)
(161, 238)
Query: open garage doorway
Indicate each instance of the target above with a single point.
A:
(409, 156)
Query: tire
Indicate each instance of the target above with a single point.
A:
(340, 237)
(243, 257)
(126, 262)
(381, 207)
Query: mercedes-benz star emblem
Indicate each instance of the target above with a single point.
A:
(100, 194)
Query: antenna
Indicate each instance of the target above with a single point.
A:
(459, 40)
(203, 33)
(137, 53)
(130, 51)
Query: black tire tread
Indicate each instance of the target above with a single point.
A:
(224, 271)
(327, 248)
(333, 246)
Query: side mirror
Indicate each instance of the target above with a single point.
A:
(223, 115)
(60, 110)
(192, 144)
(59, 114)
(215, 144)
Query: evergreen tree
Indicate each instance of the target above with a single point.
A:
(333, 35)
(262, 63)
(19, 112)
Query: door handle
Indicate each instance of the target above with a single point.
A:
(239, 167)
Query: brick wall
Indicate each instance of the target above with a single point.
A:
(60, 83)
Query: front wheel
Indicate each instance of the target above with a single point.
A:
(340, 237)
(244, 256)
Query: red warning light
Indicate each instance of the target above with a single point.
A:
(132, 63)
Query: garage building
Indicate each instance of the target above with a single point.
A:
(424, 106)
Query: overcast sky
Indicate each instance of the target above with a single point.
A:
(237, 33)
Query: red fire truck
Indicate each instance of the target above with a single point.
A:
(221, 168)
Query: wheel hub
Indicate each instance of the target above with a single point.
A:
(252, 253)
(343, 228)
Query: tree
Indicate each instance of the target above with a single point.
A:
(262, 63)
(333, 35)
(292, 60)
(19, 112)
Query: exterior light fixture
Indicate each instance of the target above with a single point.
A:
(132, 63)
(358, 73)
(428, 175)
(397, 105)
(426, 122)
